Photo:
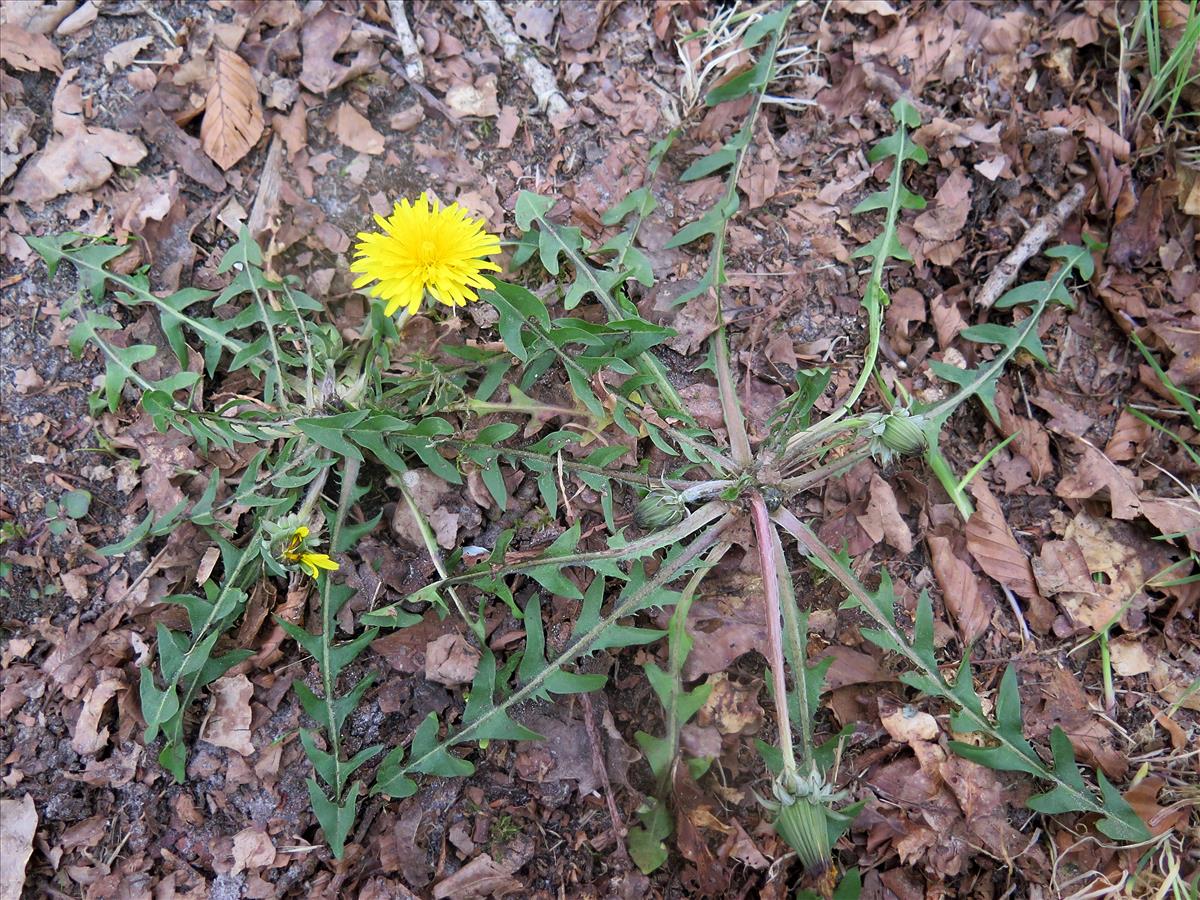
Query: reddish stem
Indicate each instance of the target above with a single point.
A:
(770, 576)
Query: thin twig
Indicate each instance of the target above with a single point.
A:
(414, 69)
(1029, 246)
(618, 826)
(539, 78)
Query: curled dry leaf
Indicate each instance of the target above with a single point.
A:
(252, 849)
(481, 877)
(18, 822)
(450, 660)
(354, 130)
(1095, 473)
(28, 52)
(89, 738)
(994, 547)
(882, 520)
(961, 591)
(228, 723)
(233, 118)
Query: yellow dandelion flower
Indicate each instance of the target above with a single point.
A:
(296, 552)
(425, 248)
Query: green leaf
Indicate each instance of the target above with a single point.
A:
(157, 706)
(428, 758)
(336, 819)
(76, 503)
(533, 661)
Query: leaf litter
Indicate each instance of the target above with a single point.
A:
(1074, 516)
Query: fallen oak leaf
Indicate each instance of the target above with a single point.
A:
(228, 723)
(995, 549)
(961, 591)
(1094, 473)
(233, 118)
(27, 52)
(18, 823)
(355, 131)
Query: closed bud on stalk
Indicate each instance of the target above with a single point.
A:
(801, 824)
(803, 806)
(660, 509)
(896, 433)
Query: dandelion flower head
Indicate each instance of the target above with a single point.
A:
(425, 247)
(296, 551)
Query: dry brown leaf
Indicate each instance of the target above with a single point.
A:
(122, 55)
(945, 219)
(1129, 434)
(89, 738)
(18, 822)
(321, 40)
(1130, 657)
(353, 130)
(1031, 440)
(450, 660)
(732, 708)
(882, 520)
(906, 723)
(252, 849)
(961, 590)
(79, 19)
(233, 118)
(1095, 473)
(506, 126)
(228, 723)
(28, 52)
(993, 545)
(478, 99)
(1174, 516)
(481, 877)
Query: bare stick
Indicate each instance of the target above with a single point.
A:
(541, 79)
(601, 771)
(414, 69)
(1006, 270)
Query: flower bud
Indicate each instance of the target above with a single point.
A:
(659, 509)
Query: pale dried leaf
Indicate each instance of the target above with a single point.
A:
(89, 738)
(961, 591)
(233, 118)
(353, 130)
(450, 660)
(481, 877)
(122, 55)
(18, 822)
(1095, 473)
(993, 545)
(882, 520)
(252, 849)
(28, 52)
(228, 723)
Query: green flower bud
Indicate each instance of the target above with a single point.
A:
(802, 825)
(902, 433)
(659, 509)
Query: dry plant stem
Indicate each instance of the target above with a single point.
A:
(414, 69)
(541, 79)
(1029, 246)
(601, 771)
(735, 423)
(791, 633)
(266, 198)
(764, 537)
(435, 555)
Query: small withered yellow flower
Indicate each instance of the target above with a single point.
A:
(425, 247)
(296, 552)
